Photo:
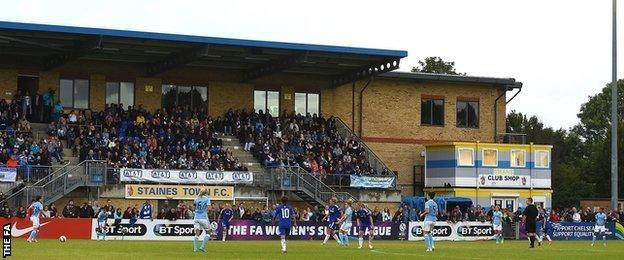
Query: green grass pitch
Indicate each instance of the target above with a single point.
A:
(86, 249)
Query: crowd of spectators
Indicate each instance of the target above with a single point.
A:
(308, 141)
(178, 138)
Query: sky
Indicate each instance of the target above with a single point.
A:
(559, 50)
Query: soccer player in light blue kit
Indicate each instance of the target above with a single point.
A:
(346, 223)
(601, 219)
(36, 208)
(102, 216)
(430, 214)
(497, 224)
(332, 218)
(285, 214)
(200, 222)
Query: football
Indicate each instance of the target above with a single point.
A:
(62, 238)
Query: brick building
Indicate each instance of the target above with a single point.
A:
(395, 113)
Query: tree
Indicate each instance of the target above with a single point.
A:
(436, 65)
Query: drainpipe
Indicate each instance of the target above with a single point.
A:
(506, 102)
(362, 104)
(353, 105)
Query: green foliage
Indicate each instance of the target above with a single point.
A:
(436, 65)
(581, 157)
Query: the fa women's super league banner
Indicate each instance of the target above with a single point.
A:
(239, 230)
(185, 176)
(371, 181)
(576, 230)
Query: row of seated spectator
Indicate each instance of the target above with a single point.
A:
(178, 138)
(308, 141)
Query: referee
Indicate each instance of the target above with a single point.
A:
(530, 220)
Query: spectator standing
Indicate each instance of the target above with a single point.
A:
(70, 210)
(576, 217)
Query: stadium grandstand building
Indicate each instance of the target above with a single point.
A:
(373, 130)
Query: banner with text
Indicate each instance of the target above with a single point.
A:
(178, 192)
(185, 176)
(371, 181)
(8, 174)
(461, 231)
(504, 178)
(52, 228)
(576, 230)
(239, 230)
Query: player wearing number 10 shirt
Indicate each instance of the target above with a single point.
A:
(285, 214)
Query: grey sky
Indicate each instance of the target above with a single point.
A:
(560, 50)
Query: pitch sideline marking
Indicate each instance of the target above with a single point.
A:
(414, 254)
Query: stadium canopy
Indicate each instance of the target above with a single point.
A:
(46, 47)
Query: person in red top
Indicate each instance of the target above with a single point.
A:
(12, 162)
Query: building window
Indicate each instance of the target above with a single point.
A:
(307, 103)
(267, 101)
(518, 158)
(74, 93)
(121, 93)
(468, 114)
(542, 159)
(432, 111)
(193, 97)
(465, 157)
(490, 157)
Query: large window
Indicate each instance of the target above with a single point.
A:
(74, 93)
(194, 97)
(307, 103)
(490, 157)
(468, 114)
(542, 159)
(432, 111)
(121, 93)
(465, 157)
(267, 101)
(518, 158)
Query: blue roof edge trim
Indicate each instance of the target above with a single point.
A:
(199, 39)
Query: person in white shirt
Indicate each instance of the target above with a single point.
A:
(576, 217)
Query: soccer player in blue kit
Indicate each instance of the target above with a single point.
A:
(200, 222)
(430, 214)
(225, 217)
(497, 224)
(36, 207)
(364, 220)
(332, 218)
(601, 219)
(285, 214)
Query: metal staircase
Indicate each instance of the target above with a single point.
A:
(375, 162)
(60, 183)
(304, 184)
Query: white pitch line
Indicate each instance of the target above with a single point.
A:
(430, 255)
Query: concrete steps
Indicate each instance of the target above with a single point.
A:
(246, 158)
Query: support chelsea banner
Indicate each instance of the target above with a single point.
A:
(185, 176)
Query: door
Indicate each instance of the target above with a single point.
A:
(27, 85)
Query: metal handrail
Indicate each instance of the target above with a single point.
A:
(348, 133)
(320, 187)
(49, 179)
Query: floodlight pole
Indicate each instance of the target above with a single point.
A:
(614, 117)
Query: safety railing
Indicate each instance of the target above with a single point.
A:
(511, 138)
(30, 174)
(297, 178)
(55, 185)
(375, 162)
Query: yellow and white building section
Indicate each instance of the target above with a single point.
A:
(490, 173)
